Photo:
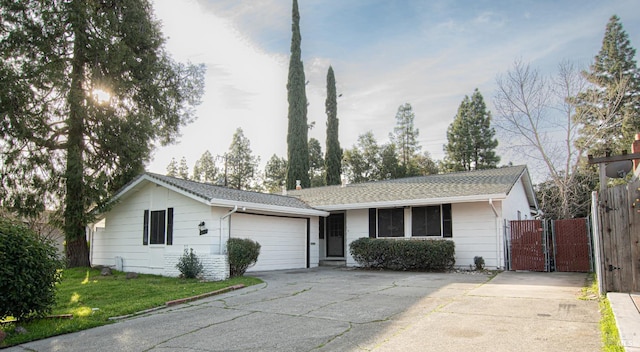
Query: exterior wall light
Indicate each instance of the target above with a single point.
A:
(202, 228)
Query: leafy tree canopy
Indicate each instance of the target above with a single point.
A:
(87, 90)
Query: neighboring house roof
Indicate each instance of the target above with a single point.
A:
(222, 196)
(454, 187)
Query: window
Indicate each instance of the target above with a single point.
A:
(158, 227)
(431, 221)
(391, 222)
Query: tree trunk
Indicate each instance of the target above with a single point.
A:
(77, 253)
(74, 211)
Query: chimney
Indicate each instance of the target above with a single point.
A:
(635, 148)
(298, 186)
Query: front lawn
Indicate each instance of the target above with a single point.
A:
(93, 298)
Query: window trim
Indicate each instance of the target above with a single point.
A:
(148, 237)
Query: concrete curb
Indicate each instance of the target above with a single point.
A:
(180, 301)
(204, 295)
(627, 320)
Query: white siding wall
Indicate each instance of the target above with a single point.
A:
(516, 201)
(357, 226)
(314, 242)
(476, 232)
(122, 235)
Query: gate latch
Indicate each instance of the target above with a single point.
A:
(612, 268)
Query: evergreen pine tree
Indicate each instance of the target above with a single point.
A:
(405, 138)
(614, 102)
(241, 163)
(275, 174)
(183, 169)
(54, 58)
(297, 148)
(172, 168)
(471, 143)
(205, 169)
(316, 163)
(333, 159)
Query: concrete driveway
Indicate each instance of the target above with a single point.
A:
(328, 309)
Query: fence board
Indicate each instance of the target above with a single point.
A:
(619, 237)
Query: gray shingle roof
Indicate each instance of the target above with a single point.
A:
(210, 192)
(451, 185)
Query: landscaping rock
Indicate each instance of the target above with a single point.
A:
(20, 330)
(132, 275)
(105, 272)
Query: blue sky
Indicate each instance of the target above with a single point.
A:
(384, 53)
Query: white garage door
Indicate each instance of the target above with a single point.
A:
(283, 241)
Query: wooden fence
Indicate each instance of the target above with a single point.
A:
(616, 221)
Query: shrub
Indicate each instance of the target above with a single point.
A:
(403, 254)
(29, 271)
(189, 265)
(243, 253)
(479, 262)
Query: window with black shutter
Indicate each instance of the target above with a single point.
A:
(169, 226)
(145, 228)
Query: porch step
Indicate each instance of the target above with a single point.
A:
(333, 262)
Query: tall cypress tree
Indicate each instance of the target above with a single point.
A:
(614, 102)
(333, 159)
(471, 143)
(297, 147)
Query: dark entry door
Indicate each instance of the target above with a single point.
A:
(335, 235)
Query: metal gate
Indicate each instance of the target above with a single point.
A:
(557, 245)
(571, 245)
(528, 246)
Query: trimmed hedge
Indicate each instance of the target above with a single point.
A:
(243, 253)
(397, 254)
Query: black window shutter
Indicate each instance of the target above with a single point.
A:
(145, 230)
(321, 227)
(372, 222)
(169, 226)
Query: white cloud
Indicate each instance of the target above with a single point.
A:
(244, 87)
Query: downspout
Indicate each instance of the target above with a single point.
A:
(495, 212)
(235, 208)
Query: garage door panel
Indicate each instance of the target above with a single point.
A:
(283, 241)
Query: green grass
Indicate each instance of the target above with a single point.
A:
(608, 328)
(93, 298)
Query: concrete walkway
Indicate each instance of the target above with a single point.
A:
(352, 310)
(626, 308)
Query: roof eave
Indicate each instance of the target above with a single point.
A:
(267, 208)
(413, 202)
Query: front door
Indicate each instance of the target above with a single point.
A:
(335, 235)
